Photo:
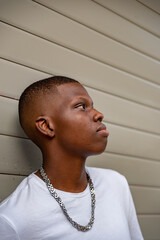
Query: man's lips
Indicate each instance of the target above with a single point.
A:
(102, 129)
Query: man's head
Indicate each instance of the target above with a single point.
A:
(59, 110)
(33, 100)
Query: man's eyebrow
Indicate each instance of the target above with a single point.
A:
(86, 99)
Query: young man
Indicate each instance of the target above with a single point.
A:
(64, 199)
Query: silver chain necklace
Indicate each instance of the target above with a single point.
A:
(61, 204)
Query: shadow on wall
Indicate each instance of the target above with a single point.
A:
(28, 154)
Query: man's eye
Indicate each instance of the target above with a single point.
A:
(81, 106)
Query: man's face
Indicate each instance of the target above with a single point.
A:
(77, 125)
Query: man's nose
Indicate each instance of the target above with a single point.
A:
(98, 116)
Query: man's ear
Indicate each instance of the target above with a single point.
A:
(45, 125)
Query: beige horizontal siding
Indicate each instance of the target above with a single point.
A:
(135, 12)
(146, 199)
(108, 24)
(151, 4)
(16, 75)
(130, 114)
(9, 119)
(22, 158)
(9, 182)
(135, 143)
(133, 62)
(150, 225)
(127, 9)
(111, 80)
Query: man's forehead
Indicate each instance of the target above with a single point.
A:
(70, 90)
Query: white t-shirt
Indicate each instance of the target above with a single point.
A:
(30, 212)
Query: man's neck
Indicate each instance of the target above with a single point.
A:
(65, 173)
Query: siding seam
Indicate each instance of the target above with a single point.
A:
(148, 7)
(149, 214)
(145, 29)
(14, 136)
(144, 186)
(133, 156)
(14, 174)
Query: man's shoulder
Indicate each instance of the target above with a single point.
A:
(102, 172)
(111, 183)
(16, 196)
(108, 176)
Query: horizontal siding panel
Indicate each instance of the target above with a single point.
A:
(82, 68)
(135, 12)
(152, 4)
(121, 140)
(8, 183)
(122, 112)
(9, 122)
(150, 226)
(130, 142)
(15, 78)
(27, 49)
(129, 63)
(24, 157)
(146, 200)
(138, 171)
(121, 29)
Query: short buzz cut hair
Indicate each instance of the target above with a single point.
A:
(44, 86)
